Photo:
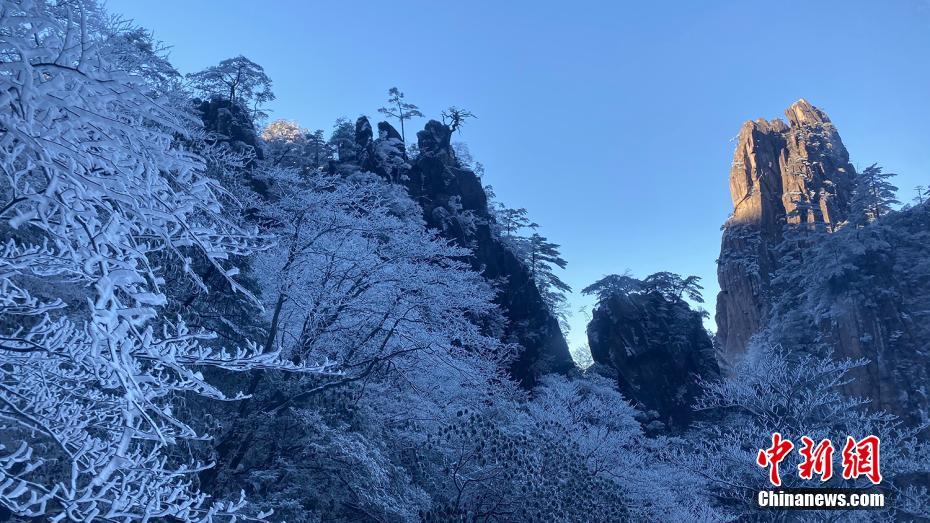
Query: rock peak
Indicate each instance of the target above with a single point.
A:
(781, 173)
(803, 112)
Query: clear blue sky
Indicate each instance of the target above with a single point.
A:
(612, 122)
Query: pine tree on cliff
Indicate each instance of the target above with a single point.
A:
(673, 287)
(510, 221)
(541, 258)
(873, 197)
(238, 79)
(611, 285)
(398, 108)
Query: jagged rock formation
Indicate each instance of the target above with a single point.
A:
(229, 122)
(782, 173)
(856, 291)
(656, 349)
(455, 204)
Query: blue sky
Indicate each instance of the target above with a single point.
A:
(612, 122)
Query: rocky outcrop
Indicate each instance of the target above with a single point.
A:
(853, 291)
(656, 349)
(385, 155)
(363, 133)
(230, 125)
(228, 122)
(455, 204)
(782, 173)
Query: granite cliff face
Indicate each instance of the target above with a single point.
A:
(782, 173)
(855, 291)
(455, 204)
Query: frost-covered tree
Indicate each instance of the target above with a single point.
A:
(514, 467)
(99, 183)
(795, 394)
(873, 196)
(463, 155)
(134, 50)
(356, 253)
(356, 279)
(589, 412)
(239, 80)
(581, 355)
(342, 140)
(595, 415)
(573, 452)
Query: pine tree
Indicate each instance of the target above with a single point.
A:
(398, 108)
(612, 284)
(316, 150)
(873, 196)
(541, 258)
(240, 80)
(673, 287)
(342, 141)
(922, 193)
(511, 221)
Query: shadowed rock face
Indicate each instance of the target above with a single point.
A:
(866, 294)
(230, 123)
(656, 349)
(227, 122)
(439, 183)
(782, 173)
(446, 191)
